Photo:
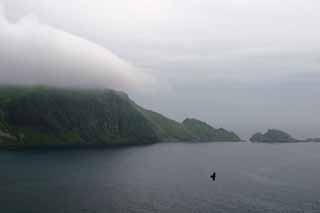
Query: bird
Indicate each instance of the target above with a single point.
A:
(213, 176)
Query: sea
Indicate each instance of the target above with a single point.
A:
(164, 177)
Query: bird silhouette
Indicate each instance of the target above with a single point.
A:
(213, 176)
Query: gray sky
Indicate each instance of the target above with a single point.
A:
(246, 65)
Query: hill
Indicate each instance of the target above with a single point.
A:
(202, 131)
(273, 136)
(42, 116)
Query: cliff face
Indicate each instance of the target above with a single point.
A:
(40, 116)
(273, 136)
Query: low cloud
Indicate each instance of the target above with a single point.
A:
(33, 53)
(241, 64)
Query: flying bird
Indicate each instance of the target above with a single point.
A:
(213, 176)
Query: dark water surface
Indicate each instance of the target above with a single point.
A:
(170, 177)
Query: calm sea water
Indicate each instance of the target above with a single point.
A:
(169, 177)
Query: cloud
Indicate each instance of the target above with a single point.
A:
(34, 53)
(245, 65)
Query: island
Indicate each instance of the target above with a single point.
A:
(273, 136)
(313, 140)
(40, 116)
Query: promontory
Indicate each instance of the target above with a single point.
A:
(44, 116)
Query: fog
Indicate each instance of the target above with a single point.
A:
(246, 65)
(34, 53)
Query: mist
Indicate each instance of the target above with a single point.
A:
(245, 65)
(33, 53)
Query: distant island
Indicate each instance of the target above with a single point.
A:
(44, 116)
(312, 140)
(278, 136)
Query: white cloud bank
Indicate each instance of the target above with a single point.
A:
(34, 53)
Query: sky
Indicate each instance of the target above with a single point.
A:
(245, 65)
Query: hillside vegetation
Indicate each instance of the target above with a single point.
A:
(42, 116)
(204, 132)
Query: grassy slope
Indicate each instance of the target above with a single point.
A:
(55, 116)
(166, 129)
(46, 116)
(189, 130)
(205, 132)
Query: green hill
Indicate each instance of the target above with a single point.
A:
(202, 131)
(273, 136)
(165, 128)
(42, 116)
